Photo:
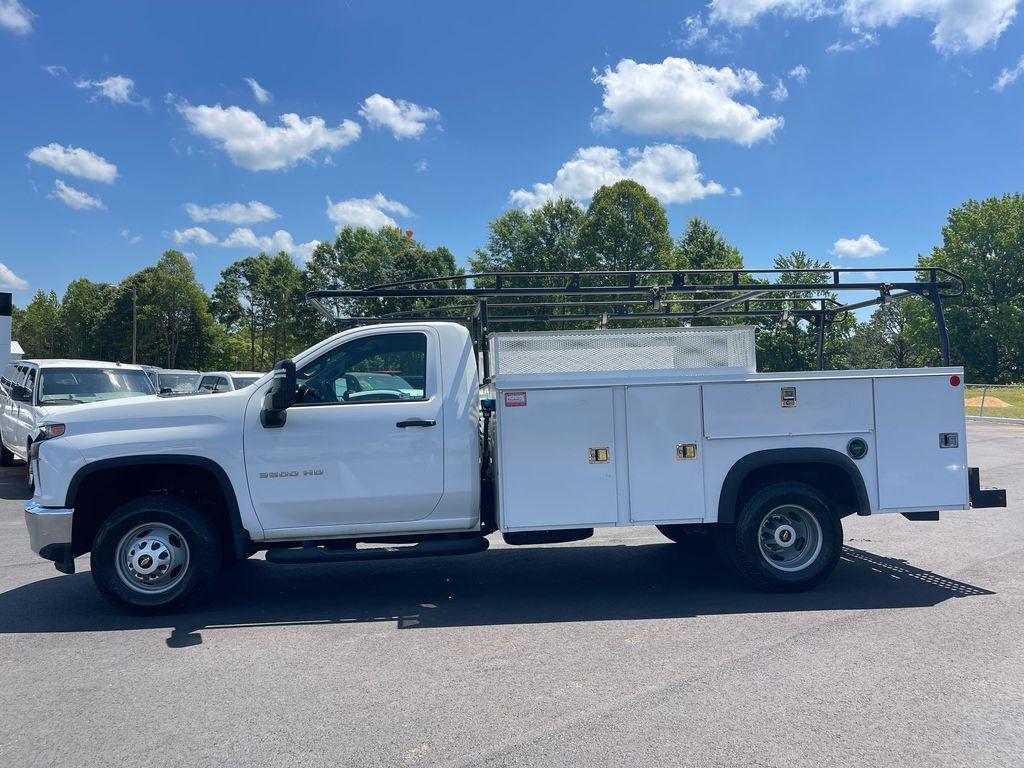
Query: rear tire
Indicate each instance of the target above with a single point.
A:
(6, 457)
(786, 538)
(155, 554)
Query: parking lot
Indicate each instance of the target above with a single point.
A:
(615, 651)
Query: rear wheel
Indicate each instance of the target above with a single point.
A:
(155, 554)
(786, 538)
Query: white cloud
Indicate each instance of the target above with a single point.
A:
(132, 239)
(243, 237)
(197, 235)
(422, 166)
(252, 212)
(76, 161)
(799, 73)
(15, 17)
(859, 41)
(371, 212)
(861, 247)
(56, 70)
(75, 198)
(404, 119)
(678, 97)
(11, 281)
(741, 13)
(958, 24)
(261, 94)
(695, 31)
(116, 88)
(256, 146)
(669, 172)
(780, 92)
(1009, 76)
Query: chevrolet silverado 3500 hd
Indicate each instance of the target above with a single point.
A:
(388, 433)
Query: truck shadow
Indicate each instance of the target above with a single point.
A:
(14, 483)
(502, 586)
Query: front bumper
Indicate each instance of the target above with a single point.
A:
(49, 534)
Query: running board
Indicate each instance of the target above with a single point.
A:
(435, 548)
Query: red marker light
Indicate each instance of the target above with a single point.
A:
(954, 380)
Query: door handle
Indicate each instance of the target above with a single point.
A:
(416, 423)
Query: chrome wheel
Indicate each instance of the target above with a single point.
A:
(152, 558)
(789, 538)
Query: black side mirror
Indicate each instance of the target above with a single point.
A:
(281, 396)
(21, 394)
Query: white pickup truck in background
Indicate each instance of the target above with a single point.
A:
(568, 432)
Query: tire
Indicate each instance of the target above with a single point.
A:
(28, 467)
(149, 534)
(786, 538)
(6, 457)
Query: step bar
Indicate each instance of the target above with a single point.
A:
(433, 548)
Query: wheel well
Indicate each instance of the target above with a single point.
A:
(103, 490)
(830, 473)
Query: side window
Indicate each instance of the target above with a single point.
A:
(8, 377)
(221, 385)
(30, 379)
(207, 384)
(379, 368)
(19, 377)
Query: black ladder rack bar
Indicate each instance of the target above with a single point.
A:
(682, 295)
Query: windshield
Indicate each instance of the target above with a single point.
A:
(90, 385)
(179, 382)
(244, 381)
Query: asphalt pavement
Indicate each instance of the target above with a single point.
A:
(616, 651)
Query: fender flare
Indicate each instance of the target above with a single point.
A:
(779, 456)
(241, 541)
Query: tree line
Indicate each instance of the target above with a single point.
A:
(257, 312)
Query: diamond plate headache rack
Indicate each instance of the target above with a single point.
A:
(554, 298)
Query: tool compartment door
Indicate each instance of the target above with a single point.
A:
(547, 476)
(664, 484)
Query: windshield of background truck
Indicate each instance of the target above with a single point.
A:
(63, 386)
(179, 382)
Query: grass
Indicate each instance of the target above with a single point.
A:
(1005, 402)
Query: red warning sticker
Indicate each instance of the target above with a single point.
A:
(515, 399)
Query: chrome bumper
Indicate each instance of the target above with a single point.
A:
(49, 534)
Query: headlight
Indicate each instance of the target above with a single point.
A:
(49, 431)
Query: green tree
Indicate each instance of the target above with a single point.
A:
(792, 346)
(82, 310)
(625, 228)
(360, 258)
(41, 331)
(701, 246)
(174, 310)
(884, 341)
(543, 240)
(983, 241)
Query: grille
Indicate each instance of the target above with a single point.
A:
(622, 350)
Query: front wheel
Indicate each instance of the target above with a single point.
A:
(786, 538)
(155, 554)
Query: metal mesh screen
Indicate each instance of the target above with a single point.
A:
(622, 350)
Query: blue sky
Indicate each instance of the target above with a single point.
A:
(440, 116)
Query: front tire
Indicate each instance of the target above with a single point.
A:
(6, 457)
(786, 538)
(155, 554)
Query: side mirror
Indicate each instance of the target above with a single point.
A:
(281, 396)
(21, 394)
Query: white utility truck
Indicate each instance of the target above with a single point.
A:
(420, 437)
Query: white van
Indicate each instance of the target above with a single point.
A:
(32, 392)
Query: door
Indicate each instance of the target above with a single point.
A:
(25, 423)
(666, 481)
(8, 407)
(365, 446)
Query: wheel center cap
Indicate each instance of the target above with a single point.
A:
(785, 535)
